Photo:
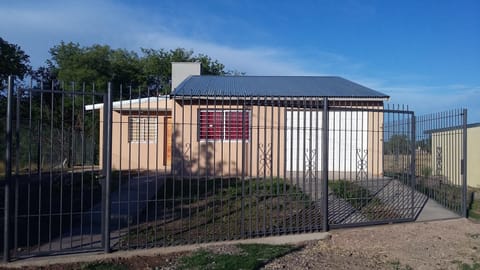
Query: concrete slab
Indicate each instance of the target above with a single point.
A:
(96, 256)
(435, 211)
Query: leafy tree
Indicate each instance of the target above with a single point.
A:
(97, 64)
(13, 61)
(150, 72)
(425, 144)
(397, 144)
(157, 69)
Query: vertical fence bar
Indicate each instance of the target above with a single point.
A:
(104, 166)
(8, 171)
(243, 171)
(464, 167)
(17, 169)
(108, 169)
(325, 164)
(413, 163)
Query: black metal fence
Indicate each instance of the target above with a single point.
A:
(442, 158)
(51, 182)
(162, 171)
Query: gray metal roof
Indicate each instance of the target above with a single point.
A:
(274, 86)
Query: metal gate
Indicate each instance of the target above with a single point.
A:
(367, 185)
(442, 159)
(54, 193)
(84, 173)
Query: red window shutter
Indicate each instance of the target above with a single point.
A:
(237, 125)
(211, 125)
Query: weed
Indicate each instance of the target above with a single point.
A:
(426, 171)
(218, 210)
(103, 266)
(474, 210)
(396, 265)
(467, 266)
(474, 235)
(253, 256)
(361, 199)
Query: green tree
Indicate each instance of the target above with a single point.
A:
(13, 61)
(150, 72)
(97, 64)
(397, 144)
(157, 68)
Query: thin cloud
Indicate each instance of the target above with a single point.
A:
(39, 28)
(36, 28)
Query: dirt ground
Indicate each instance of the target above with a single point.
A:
(428, 245)
(422, 245)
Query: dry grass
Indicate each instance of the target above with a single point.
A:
(401, 163)
(214, 212)
(2, 168)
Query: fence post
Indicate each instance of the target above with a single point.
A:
(244, 160)
(413, 165)
(464, 166)
(325, 127)
(108, 167)
(8, 172)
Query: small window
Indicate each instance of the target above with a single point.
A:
(228, 125)
(142, 129)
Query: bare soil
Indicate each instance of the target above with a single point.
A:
(421, 245)
(428, 245)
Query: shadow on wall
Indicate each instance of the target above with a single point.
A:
(207, 159)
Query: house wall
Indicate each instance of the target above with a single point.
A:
(265, 151)
(138, 155)
(473, 152)
(447, 161)
(375, 143)
(256, 156)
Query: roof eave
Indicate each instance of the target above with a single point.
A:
(180, 96)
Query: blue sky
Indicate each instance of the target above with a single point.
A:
(422, 53)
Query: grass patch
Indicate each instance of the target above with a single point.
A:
(354, 194)
(438, 188)
(2, 169)
(103, 266)
(253, 256)
(396, 265)
(362, 199)
(474, 235)
(474, 204)
(202, 210)
(474, 210)
(467, 266)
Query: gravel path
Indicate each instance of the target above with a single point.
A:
(422, 245)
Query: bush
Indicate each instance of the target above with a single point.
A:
(426, 171)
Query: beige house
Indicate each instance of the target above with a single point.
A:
(447, 153)
(252, 126)
(271, 126)
(141, 133)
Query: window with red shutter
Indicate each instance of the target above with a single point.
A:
(227, 125)
(237, 125)
(211, 125)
